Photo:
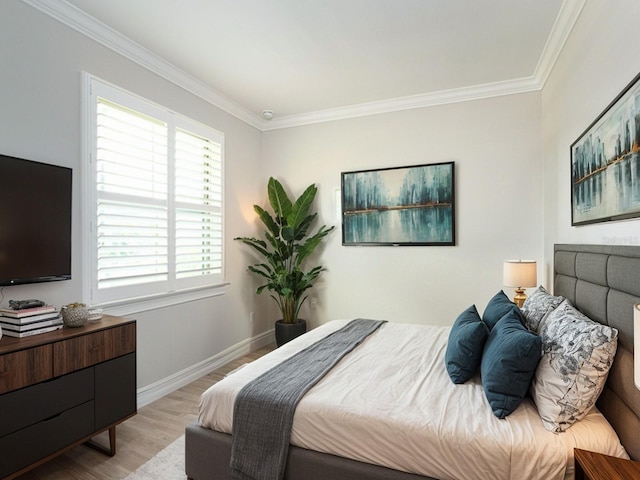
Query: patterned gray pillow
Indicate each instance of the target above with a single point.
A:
(577, 355)
(536, 306)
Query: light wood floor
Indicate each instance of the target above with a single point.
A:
(138, 439)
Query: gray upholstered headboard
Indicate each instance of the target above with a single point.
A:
(603, 281)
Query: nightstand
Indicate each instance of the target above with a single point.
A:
(596, 466)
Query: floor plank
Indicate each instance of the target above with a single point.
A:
(138, 439)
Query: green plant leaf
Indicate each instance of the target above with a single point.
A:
(311, 243)
(288, 234)
(278, 198)
(300, 209)
(300, 305)
(303, 228)
(267, 219)
(262, 270)
(257, 244)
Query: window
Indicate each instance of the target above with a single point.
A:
(155, 183)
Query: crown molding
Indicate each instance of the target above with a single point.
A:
(441, 97)
(563, 26)
(101, 33)
(76, 19)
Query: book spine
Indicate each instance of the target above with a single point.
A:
(31, 332)
(31, 319)
(26, 312)
(30, 326)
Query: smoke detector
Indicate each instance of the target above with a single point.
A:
(267, 114)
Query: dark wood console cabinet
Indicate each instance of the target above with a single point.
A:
(60, 389)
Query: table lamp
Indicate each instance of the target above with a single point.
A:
(519, 274)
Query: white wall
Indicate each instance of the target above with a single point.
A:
(495, 144)
(40, 119)
(598, 61)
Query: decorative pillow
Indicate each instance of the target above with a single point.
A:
(497, 308)
(510, 357)
(578, 353)
(464, 347)
(536, 306)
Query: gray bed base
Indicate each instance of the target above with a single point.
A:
(208, 452)
(602, 281)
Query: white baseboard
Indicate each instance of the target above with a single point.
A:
(159, 389)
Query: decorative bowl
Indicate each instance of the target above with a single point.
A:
(74, 314)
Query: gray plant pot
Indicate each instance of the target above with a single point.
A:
(285, 332)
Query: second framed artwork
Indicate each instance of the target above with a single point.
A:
(400, 206)
(605, 163)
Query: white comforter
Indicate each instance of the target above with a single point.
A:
(390, 402)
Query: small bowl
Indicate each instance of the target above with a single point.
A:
(95, 314)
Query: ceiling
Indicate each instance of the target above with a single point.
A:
(309, 60)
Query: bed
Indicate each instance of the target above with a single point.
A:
(602, 281)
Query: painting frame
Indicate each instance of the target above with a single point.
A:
(399, 206)
(605, 163)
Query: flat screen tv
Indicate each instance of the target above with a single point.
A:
(35, 221)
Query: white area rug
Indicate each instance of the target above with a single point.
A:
(168, 464)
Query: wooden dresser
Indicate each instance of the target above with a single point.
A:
(60, 389)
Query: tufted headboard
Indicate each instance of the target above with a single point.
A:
(603, 281)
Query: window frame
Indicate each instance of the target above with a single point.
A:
(150, 296)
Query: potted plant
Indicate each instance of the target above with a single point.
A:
(287, 246)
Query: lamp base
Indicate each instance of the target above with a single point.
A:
(520, 297)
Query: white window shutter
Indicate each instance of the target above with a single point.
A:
(132, 244)
(198, 201)
(157, 189)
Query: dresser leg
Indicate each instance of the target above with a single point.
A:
(112, 441)
(111, 451)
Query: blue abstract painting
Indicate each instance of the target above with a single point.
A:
(412, 205)
(605, 163)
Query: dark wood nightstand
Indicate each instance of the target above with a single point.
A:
(596, 466)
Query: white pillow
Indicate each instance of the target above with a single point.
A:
(577, 355)
(537, 305)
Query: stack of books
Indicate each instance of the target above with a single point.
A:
(29, 321)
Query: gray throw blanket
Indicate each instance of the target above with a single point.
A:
(264, 408)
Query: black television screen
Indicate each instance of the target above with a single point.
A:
(35, 221)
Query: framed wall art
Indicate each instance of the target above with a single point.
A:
(605, 168)
(412, 205)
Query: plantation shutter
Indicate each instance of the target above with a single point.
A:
(198, 201)
(132, 193)
(158, 199)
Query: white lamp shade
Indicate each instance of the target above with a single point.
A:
(636, 345)
(519, 273)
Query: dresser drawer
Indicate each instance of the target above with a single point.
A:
(27, 406)
(95, 347)
(25, 367)
(115, 395)
(44, 438)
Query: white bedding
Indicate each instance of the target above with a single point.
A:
(390, 402)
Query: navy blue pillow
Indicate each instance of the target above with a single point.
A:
(509, 361)
(464, 347)
(497, 308)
